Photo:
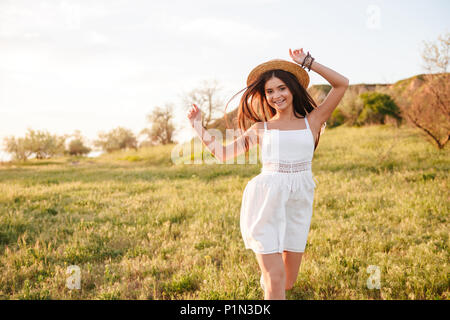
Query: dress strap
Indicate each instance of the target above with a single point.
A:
(306, 121)
(265, 126)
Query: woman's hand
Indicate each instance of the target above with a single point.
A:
(194, 114)
(297, 55)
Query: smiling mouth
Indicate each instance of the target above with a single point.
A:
(279, 102)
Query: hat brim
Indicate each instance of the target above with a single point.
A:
(301, 75)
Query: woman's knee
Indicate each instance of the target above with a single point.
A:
(276, 276)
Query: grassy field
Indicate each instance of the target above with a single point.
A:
(140, 227)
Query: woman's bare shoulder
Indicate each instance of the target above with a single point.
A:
(258, 125)
(256, 128)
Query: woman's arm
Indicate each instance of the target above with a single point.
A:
(339, 85)
(215, 146)
(335, 79)
(338, 82)
(231, 150)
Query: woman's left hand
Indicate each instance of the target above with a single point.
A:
(297, 55)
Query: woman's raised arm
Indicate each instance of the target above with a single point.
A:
(216, 147)
(338, 82)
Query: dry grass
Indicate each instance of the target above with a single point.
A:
(140, 227)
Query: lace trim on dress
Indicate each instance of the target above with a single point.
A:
(286, 167)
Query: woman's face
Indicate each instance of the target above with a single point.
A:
(278, 94)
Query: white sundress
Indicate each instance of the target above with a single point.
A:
(277, 204)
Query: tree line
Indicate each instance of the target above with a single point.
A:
(44, 145)
(423, 102)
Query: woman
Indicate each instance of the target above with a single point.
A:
(277, 111)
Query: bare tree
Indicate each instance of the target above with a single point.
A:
(206, 97)
(162, 129)
(435, 55)
(430, 104)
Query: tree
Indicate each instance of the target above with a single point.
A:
(41, 143)
(77, 145)
(206, 98)
(162, 129)
(44, 145)
(429, 108)
(19, 148)
(117, 139)
(435, 54)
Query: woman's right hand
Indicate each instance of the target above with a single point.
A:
(297, 55)
(194, 114)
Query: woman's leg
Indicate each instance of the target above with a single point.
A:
(274, 275)
(291, 262)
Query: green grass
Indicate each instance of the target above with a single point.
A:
(140, 227)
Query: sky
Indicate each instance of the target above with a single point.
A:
(94, 65)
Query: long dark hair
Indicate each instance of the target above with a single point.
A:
(254, 107)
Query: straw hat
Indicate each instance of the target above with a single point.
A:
(301, 75)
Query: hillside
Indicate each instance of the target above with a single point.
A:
(401, 88)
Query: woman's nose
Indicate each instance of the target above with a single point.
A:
(276, 96)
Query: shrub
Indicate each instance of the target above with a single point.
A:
(376, 107)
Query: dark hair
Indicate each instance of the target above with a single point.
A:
(254, 107)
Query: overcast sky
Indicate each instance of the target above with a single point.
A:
(94, 65)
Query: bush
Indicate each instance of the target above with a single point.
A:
(77, 147)
(376, 107)
(337, 118)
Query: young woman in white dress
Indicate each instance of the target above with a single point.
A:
(276, 101)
